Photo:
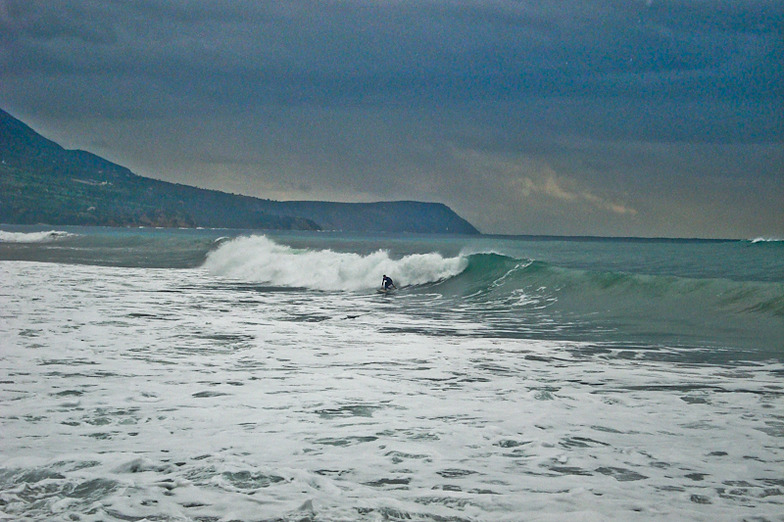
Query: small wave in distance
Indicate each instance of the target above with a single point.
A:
(32, 237)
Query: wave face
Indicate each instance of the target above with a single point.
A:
(533, 299)
(259, 259)
(602, 288)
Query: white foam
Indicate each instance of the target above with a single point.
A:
(32, 237)
(162, 397)
(259, 259)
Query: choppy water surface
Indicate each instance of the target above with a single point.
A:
(207, 393)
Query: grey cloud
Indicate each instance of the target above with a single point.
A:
(423, 50)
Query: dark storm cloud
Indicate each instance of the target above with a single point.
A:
(575, 103)
(420, 52)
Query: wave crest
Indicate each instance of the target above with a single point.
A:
(32, 237)
(259, 259)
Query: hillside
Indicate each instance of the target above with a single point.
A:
(41, 182)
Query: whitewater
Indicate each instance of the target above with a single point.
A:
(218, 375)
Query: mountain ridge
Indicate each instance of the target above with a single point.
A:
(42, 182)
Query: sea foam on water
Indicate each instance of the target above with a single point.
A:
(240, 389)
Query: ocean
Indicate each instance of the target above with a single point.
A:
(221, 375)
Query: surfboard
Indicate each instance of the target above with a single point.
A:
(385, 290)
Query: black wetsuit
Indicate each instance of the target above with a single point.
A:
(387, 282)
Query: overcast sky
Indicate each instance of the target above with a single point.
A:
(618, 118)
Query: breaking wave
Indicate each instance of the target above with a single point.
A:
(32, 237)
(258, 259)
(758, 240)
(488, 277)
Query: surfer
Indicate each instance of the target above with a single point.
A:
(387, 283)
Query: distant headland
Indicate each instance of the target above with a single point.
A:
(41, 182)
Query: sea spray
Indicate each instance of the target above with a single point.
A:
(32, 237)
(262, 260)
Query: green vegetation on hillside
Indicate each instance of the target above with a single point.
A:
(40, 182)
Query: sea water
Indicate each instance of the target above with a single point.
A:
(218, 375)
